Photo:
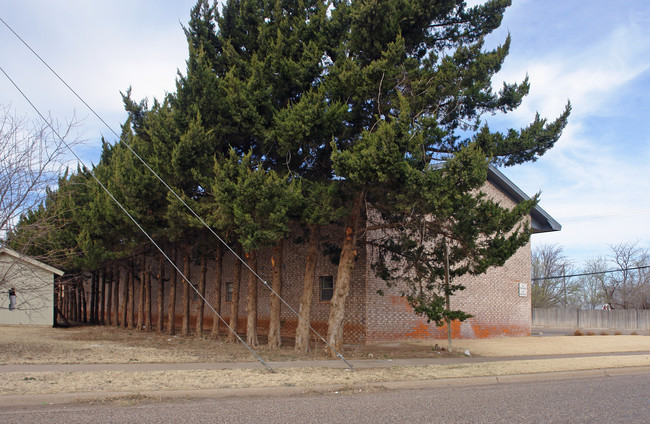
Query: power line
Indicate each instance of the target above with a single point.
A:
(146, 165)
(187, 281)
(583, 274)
(606, 216)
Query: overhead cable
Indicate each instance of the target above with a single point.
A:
(187, 281)
(338, 354)
(583, 274)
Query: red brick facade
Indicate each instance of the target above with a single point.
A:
(493, 298)
(499, 300)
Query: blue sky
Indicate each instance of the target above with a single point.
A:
(596, 53)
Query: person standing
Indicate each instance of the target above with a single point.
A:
(12, 298)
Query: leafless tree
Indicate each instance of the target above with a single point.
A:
(591, 291)
(628, 288)
(549, 287)
(32, 156)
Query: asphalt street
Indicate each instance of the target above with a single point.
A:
(584, 399)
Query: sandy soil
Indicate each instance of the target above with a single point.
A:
(44, 345)
(309, 378)
(560, 345)
(105, 345)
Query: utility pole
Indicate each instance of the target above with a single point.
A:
(447, 299)
(564, 283)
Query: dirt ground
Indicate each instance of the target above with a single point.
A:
(106, 345)
(102, 345)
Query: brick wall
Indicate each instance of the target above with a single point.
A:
(493, 298)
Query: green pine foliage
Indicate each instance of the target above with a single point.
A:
(289, 110)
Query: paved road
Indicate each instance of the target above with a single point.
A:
(624, 399)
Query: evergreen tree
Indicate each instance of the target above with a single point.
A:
(257, 204)
(451, 230)
(416, 80)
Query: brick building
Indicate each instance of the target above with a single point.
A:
(499, 300)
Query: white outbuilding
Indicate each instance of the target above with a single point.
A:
(26, 290)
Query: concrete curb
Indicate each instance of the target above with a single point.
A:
(324, 363)
(16, 401)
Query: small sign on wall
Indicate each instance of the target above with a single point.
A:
(523, 290)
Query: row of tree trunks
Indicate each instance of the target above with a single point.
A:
(115, 299)
(70, 301)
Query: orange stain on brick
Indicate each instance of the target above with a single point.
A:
(419, 331)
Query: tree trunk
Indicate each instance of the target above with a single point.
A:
(80, 300)
(185, 328)
(93, 278)
(141, 293)
(77, 297)
(275, 338)
(171, 317)
(302, 331)
(201, 306)
(343, 277)
(161, 294)
(251, 322)
(84, 305)
(101, 286)
(447, 296)
(116, 294)
(109, 295)
(147, 297)
(218, 264)
(234, 305)
(131, 306)
(125, 297)
(97, 286)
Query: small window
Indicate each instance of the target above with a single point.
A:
(326, 285)
(229, 291)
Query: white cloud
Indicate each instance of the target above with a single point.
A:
(590, 78)
(100, 49)
(595, 169)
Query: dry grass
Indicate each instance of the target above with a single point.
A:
(559, 345)
(44, 345)
(104, 345)
(307, 378)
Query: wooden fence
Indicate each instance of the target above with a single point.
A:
(631, 319)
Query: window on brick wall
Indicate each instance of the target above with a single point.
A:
(229, 291)
(326, 287)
